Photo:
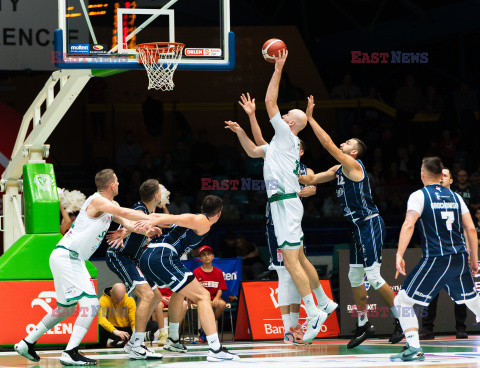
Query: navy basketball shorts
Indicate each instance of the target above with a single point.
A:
(161, 263)
(367, 243)
(432, 274)
(276, 258)
(127, 270)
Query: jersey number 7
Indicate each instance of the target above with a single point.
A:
(449, 217)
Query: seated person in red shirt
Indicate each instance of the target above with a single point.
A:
(211, 278)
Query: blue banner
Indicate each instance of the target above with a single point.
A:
(232, 272)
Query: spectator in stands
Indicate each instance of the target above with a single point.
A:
(466, 103)
(448, 146)
(178, 205)
(345, 117)
(408, 100)
(477, 222)
(229, 211)
(475, 177)
(229, 249)
(116, 318)
(149, 167)
(253, 265)
(463, 187)
(330, 208)
(159, 316)
(432, 103)
(211, 279)
(128, 153)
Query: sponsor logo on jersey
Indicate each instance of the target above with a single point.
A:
(443, 205)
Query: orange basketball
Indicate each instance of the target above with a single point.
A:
(271, 48)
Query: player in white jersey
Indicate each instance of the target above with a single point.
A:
(280, 172)
(67, 263)
(288, 298)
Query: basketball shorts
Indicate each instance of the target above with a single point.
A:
(276, 257)
(161, 263)
(432, 274)
(127, 270)
(367, 242)
(70, 276)
(287, 221)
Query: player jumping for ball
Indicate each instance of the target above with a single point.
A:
(355, 197)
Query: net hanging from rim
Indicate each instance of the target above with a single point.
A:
(160, 60)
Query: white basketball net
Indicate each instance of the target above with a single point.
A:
(160, 60)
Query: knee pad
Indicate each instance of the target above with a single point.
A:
(406, 312)
(356, 275)
(374, 277)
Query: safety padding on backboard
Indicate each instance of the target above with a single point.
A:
(25, 303)
(259, 315)
(42, 213)
(28, 259)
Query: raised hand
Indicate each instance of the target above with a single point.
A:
(280, 60)
(247, 104)
(234, 127)
(310, 106)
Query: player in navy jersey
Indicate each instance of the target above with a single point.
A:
(355, 198)
(122, 260)
(161, 263)
(289, 299)
(441, 216)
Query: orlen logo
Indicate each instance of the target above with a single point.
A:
(43, 300)
(203, 52)
(80, 48)
(98, 47)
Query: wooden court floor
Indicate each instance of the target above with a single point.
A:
(441, 352)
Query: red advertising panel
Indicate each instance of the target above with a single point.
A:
(262, 312)
(25, 303)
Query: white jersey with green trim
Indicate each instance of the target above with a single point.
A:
(282, 160)
(86, 233)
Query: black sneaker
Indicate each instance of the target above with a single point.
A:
(397, 335)
(426, 335)
(461, 334)
(74, 357)
(361, 334)
(27, 350)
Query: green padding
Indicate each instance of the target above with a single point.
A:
(107, 72)
(42, 213)
(28, 258)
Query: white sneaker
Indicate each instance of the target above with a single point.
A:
(128, 347)
(314, 324)
(329, 307)
(142, 352)
(221, 355)
(175, 346)
(27, 350)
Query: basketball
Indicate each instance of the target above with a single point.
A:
(271, 48)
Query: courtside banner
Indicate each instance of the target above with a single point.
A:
(263, 312)
(25, 303)
(232, 272)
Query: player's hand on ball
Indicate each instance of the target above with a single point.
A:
(310, 106)
(247, 104)
(400, 266)
(280, 60)
(234, 127)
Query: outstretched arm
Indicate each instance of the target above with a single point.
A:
(198, 223)
(272, 90)
(322, 177)
(101, 204)
(350, 165)
(247, 144)
(309, 190)
(248, 105)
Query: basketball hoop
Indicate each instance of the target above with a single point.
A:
(160, 60)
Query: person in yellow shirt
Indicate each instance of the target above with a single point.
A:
(116, 318)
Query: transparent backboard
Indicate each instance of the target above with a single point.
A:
(89, 32)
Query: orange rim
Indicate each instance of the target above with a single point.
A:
(158, 48)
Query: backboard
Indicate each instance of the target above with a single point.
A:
(89, 30)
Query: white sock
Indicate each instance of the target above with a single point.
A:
(322, 298)
(412, 339)
(173, 331)
(294, 317)
(39, 330)
(286, 322)
(310, 306)
(132, 337)
(77, 335)
(165, 329)
(394, 311)
(139, 339)
(362, 318)
(213, 341)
